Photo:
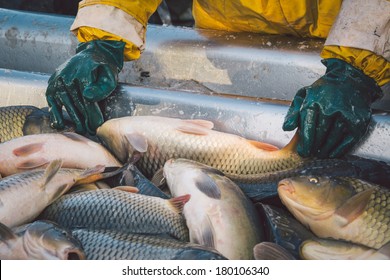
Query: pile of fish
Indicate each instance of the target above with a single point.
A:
(151, 187)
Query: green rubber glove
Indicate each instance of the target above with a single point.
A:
(86, 78)
(334, 112)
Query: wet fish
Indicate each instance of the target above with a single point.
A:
(23, 196)
(114, 245)
(349, 166)
(36, 151)
(121, 210)
(40, 240)
(283, 229)
(17, 121)
(326, 249)
(340, 208)
(271, 251)
(218, 215)
(161, 138)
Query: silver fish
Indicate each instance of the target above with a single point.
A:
(218, 214)
(114, 245)
(40, 240)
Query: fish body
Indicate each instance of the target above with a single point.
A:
(17, 121)
(115, 209)
(114, 245)
(340, 208)
(36, 151)
(218, 214)
(161, 138)
(40, 240)
(326, 249)
(23, 196)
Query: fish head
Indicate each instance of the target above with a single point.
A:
(47, 240)
(38, 122)
(179, 172)
(315, 198)
(121, 138)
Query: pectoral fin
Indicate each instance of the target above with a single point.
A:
(208, 186)
(137, 141)
(353, 207)
(32, 163)
(28, 149)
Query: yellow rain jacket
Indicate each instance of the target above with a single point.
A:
(365, 22)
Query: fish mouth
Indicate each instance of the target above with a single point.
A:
(286, 191)
(74, 254)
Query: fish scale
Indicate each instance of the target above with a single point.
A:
(12, 119)
(114, 245)
(117, 210)
(238, 158)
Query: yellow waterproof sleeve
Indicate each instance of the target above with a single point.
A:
(115, 20)
(303, 18)
(373, 65)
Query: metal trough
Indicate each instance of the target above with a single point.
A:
(242, 82)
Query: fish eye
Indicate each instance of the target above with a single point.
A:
(314, 180)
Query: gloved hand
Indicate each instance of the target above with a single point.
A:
(334, 112)
(86, 78)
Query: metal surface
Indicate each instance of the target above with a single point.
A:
(247, 117)
(176, 58)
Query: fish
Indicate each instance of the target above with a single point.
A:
(17, 121)
(120, 209)
(283, 229)
(25, 195)
(256, 167)
(115, 245)
(266, 186)
(271, 251)
(161, 138)
(327, 249)
(36, 151)
(340, 208)
(39, 240)
(218, 215)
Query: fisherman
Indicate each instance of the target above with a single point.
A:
(332, 114)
